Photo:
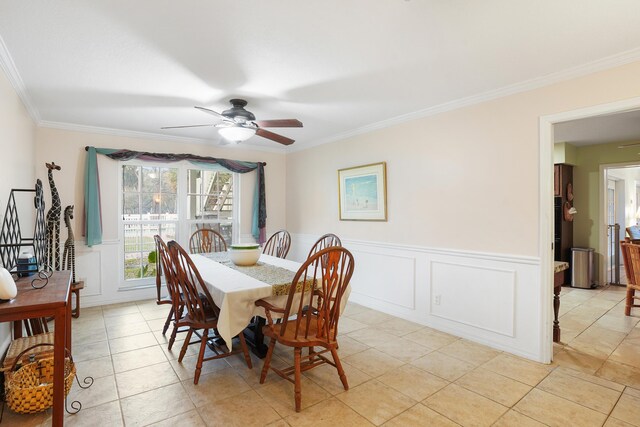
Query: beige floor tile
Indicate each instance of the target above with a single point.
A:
(399, 327)
(372, 317)
(387, 403)
(602, 303)
(470, 352)
(519, 369)
(348, 346)
(419, 416)
(556, 411)
(215, 386)
(413, 382)
(516, 419)
(615, 322)
(329, 413)
(597, 341)
(476, 410)
(244, 410)
(627, 409)
(126, 319)
(620, 373)
(252, 376)
(132, 342)
(585, 393)
(280, 395)
(156, 324)
(403, 349)
(278, 423)
(591, 378)
(371, 336)
(612, 422)
(11, 419)
(348, 325)
(144, 379)
(88, 336)
(627, 353)
(577, 360)
(496, 387)
(373, 362)
(120, 310)
(174, 353)
(353, 309)
(102, 391)
(119, 331)
(105, 415)
(138, 358)
(160, 313)
(95, 368)
(431, 338)
(155, 405)
(91, 351)
(189, 419)
(444, 366)
(326, 376)
(187, 369)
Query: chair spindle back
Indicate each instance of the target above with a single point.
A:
(206, 240)
(278, 244)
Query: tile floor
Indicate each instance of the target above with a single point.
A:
(400, 374)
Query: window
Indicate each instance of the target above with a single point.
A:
(172, 202)
(210, 201)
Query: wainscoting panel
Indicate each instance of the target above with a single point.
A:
(474, 295)
(88, 264)
(492, 299)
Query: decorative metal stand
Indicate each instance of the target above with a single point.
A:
(12, 240)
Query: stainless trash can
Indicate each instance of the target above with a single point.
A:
(582, 268)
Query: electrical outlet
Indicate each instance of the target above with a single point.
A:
(437, 299)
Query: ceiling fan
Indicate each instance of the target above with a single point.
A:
(238, 124)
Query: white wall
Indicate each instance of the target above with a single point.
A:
(17, 142)
(97, 265)
(463, 208)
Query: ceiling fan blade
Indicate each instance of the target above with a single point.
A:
(633, 144)
(213, 113)
(186, 126)
(280, 123)
(274, 137)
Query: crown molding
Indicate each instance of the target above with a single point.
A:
(538, 82)
(150, 136)
(10, 70)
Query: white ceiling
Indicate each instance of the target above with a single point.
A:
(340, 66)
(620, 127)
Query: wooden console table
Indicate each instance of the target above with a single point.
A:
(558, 280)
(54, 300)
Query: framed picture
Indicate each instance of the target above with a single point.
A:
(363, 193)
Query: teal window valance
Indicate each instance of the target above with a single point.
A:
(92, 211)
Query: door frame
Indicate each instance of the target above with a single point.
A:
(545, 203)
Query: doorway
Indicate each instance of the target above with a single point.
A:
(546, 203)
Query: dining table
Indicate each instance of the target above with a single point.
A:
(235, 289)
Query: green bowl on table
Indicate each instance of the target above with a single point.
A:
(244, 254)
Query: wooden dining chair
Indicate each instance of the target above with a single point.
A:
(161, 249)
(198, 313)
(175, 296)
(310, 317)
(278, 244)
(324, 242)
(206, 240)
(631, 261)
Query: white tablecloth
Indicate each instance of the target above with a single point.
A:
(235, 293)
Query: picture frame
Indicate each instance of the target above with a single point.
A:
(362, 193)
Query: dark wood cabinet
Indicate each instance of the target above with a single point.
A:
(563, 236)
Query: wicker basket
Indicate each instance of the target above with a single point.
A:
(29, 389)
(20, 344)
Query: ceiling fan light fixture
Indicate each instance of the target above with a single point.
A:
(236, 133)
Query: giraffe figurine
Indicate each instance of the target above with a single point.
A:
(53, 222)
(69, 253)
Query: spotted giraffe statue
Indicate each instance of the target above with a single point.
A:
(69, 253)
(53, 222)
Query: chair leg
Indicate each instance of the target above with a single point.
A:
(629, 301)
(168, 321)
(183, 350)
(174, 332)
(297, 352)
(343, 376)
(245, 350)
(203, 345)
(267, 361)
